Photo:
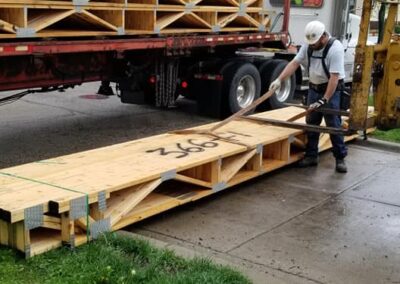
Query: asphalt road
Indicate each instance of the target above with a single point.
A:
(44, 125)
(291, 226)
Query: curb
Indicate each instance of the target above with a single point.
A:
(378, 144)
(256, 273)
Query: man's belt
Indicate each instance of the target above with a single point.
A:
(321, 88)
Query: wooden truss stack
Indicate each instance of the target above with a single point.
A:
(72, 199)
(74, 18)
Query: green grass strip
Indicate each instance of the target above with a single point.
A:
(392, 135)
(113, 259)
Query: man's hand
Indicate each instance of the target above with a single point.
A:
(318, 104)
(275, 85)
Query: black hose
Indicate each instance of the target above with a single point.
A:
(381, 22)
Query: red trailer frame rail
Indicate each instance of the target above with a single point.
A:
(176, 42)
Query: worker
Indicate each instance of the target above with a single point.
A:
(325, 82)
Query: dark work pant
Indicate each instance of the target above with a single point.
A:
(315, 118)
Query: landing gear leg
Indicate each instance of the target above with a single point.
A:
(105, 89)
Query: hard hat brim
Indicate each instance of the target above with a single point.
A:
(311, 41)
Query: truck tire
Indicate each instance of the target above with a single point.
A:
(241, 86)
(269, 71)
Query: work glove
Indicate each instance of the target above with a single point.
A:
(318, 104)
(275, 85)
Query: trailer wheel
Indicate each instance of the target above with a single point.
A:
(269, 71)
(241, 86)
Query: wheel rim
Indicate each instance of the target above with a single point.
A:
(246, 91)
(283, 93)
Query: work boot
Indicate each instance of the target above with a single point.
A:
(341, 166)
(308, 162)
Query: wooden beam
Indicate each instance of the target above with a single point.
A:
(51, 222)
(4, 233)
(7, 27)
(125, 200)
(191, 180)
(20, 238)
(82, 222)
(42, 19)
(231, 165)
(67, 230)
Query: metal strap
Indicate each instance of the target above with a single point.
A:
(33, 217)
(102, 201)
(219, 186)
(168, 175)
(100, 227)
(78, 208)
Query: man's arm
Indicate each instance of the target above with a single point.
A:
(288, 71)
(330, 90)
(332, 85)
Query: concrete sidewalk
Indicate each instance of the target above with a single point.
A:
(298, 225)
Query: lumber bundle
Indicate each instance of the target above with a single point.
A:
(74, 18)
(72, 199)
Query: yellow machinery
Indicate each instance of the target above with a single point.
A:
(381, 64)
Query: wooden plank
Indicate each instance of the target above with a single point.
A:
(43, 240)
(192, 180)
(112, 17)
(4, 233)
(209, 17)
(20, 238)
(83, 222)
(95, 212)
(256, 3)
(220, 3)
(67, 229)
(95, 20)
(216, 171)
(242, 176)
(12, 18)
(231, 165)
(191, 20)
(156, 203)
(164, 19)
(7, 27)
(225, 19)
(124, 201)
(40, 19)
(179, 2)
(254, 164)
(153, 204)
(51, 223)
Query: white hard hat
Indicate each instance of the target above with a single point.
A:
(313, 31)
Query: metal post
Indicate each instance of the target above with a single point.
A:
(362, 73)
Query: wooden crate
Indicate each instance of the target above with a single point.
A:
(77, 18)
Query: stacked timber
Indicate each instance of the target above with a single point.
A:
(72, 199)
(74, 18)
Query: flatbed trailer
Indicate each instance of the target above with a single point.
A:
(154, 68)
